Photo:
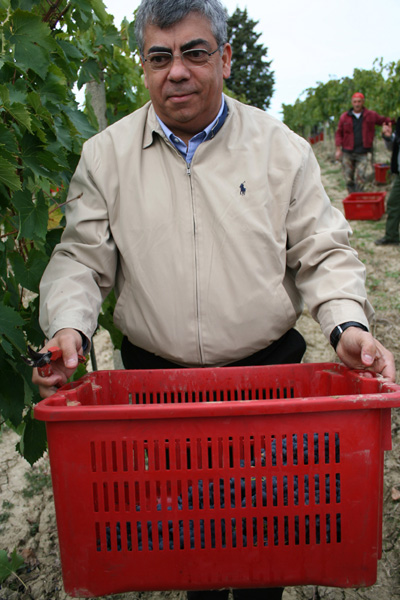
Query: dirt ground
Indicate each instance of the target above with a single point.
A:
(27, 517)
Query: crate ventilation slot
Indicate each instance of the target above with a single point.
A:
(157, 486)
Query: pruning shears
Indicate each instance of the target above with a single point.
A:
(42, 360)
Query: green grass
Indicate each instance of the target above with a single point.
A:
(38, 480)
(5, 515)
(393, 275)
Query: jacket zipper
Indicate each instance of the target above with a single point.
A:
(189, 173)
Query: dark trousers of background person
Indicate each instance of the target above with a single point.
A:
(288, 349)
(355, 169)
(393, 211)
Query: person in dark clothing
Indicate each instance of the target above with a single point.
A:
(392, 141)
(354, 140)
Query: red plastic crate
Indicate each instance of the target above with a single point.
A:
(382, 172)
(364, 206)
(213, 478)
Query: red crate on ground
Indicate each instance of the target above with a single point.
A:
(213, 478)
(382, 172)
(368, 206)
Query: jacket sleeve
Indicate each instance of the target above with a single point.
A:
(326, 269)
(380, 119)
(81, 271)
(339, 133)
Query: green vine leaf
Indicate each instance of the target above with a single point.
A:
(9, 566)
(33, 441)
(28, 273)
(9, 175)
(10, 326)
(20, 114)
(32, 41)
(33, 217)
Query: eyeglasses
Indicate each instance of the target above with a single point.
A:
(197, 57)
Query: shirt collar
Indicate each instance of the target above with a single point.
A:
(208, 133)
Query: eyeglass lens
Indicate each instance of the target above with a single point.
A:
(191, 58)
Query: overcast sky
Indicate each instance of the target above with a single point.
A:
(313, 41)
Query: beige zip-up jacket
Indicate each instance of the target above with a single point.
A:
(210, 262)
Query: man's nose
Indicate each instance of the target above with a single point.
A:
(178, 70)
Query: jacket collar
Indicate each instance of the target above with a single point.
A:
(153, 126)
(351, 110)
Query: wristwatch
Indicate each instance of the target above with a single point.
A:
(337, 332)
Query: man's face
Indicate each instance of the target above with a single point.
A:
(357, 104)
(186, 99)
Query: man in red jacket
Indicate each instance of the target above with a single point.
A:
(354, 139)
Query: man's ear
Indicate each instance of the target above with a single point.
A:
(226, 61)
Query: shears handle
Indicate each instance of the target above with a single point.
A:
(54, 353)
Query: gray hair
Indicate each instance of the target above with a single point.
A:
(165, 13)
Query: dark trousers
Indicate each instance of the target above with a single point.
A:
(288, 349)
(393, 211)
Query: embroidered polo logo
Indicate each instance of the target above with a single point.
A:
(242, 189)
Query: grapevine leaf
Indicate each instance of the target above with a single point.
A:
(10, 322)
(7, 140)
(33, 443)
(12, 395)
(9, 175)
(9, 566)
(99, 9)
(106, 319)
(4, 94)
(69, 50)
(29, 273)
(7, 347)
(20, 114)
(90, 70)
(132, 37)
(33, 216)
(108, 37)
(42, 113)
(55, 88)
(80, 122)
(32, 40)
(31, 147)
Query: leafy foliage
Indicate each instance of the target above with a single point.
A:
(323, 104)
(48, 51)
(251, 77)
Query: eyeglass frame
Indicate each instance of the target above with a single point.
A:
(182, 56)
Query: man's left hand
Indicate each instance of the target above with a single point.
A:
(358, 349)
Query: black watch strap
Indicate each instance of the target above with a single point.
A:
(85, 341)
(337, 332)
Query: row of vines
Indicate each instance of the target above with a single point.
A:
(320, 107)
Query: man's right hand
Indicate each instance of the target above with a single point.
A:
(387, 130)
(338, 154)
(70, 343)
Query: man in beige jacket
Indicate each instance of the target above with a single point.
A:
(208, 218)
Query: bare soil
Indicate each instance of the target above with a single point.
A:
(27, 517)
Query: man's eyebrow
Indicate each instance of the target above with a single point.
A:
(195, 44)
(159, 49)
(188, 46)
